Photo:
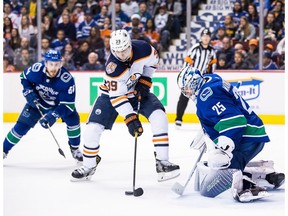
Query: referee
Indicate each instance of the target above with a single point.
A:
(203, 57)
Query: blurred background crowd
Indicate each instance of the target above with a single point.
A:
(81, 29)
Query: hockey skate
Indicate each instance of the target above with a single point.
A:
(264, 175)
(166, 170)
(276, 179)
(245, 190)
(178, 124)
(76, 154)
(4, 155)
(84, 173)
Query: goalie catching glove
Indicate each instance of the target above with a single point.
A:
(143, 86)
(49, 119)
(133, 124)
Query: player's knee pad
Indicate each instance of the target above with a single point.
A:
(258, 170)
(159, 122)
(210, 182)
(72, 119)
(92, 134)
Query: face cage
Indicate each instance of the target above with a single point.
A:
(191, 91)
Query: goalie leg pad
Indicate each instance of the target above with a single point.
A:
(212, 182)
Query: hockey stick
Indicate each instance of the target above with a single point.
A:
(139, 191)
(178, 188)
(59, 149)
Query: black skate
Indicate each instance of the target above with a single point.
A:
(276, 179)
(250, 192)
(85, 173)
(166, 170)
(76, 154)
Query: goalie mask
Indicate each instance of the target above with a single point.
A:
(53, 62)
(190, 81)
(120, 44)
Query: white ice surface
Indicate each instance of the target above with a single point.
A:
(36, 178)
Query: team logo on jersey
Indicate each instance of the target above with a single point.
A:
(110, 68)
(206, 93)
(132, 80)
(98, 111)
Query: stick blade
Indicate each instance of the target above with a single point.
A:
(178, 188)
(61, 152)
(138, 192)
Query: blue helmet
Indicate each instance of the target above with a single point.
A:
(53, 55)
(190, 81)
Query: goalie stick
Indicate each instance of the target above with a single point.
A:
(177, 187)
(59, 149)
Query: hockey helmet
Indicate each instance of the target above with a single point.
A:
(53, 62)
(190, 81)
(53, 55)
(121, 45)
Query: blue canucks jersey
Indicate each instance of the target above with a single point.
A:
(56, 93)
(222, 111)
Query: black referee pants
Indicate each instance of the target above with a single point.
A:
(181, 107)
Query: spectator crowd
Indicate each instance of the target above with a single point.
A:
(80, 30)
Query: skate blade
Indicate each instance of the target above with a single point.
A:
(244, 198)
(87, 178)
(164, 176)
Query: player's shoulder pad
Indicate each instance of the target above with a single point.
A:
(34, 72)
(114, 67)
(212, 82)
(140, 49)
(65, 76)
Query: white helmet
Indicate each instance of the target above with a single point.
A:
(120, 41)
(190, 81)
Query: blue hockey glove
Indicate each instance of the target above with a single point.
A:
(31, 96)
(49, 119)
(143, 86)
(133, 124)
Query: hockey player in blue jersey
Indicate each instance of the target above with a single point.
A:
(51, 87)
(233, 135)
(129, 71)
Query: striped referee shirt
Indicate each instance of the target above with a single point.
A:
(204, 59)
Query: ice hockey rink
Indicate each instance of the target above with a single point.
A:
(36, 178)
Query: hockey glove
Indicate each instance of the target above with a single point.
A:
(31, 96)
(49, 119)
(143, 86)
(133, 124)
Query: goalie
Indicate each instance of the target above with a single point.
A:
(233, 136)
